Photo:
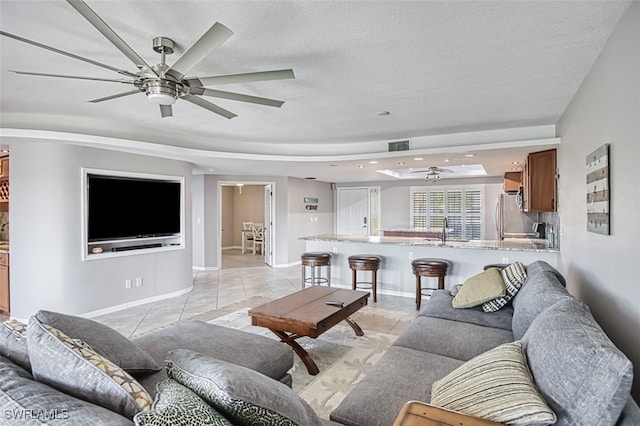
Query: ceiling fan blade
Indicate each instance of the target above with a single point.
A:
(119, 95)
(166, 111)
(241, 78)
(213, 38)
(77, 77)
(71, 55)
(208, 105)
(238, 97)
(111, 35)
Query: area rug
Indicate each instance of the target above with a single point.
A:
(342, 357)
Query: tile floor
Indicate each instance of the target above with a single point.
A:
(244, 281)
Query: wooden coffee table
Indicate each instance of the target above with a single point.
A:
(305, 314)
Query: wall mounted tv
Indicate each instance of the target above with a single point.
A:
(122, 207)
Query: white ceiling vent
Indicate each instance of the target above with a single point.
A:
(399, 146)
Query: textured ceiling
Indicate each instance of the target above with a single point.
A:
(438, 67)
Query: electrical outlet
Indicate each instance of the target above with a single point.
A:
(410, 255)
(505, 260)
(335, 249)
(139, 282)
(127, 283)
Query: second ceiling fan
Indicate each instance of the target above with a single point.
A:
(164, 84)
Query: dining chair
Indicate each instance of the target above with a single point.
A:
(247, 235)
(258, 237)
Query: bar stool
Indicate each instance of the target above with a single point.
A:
(428, 268)
(316, 260)
(365, 262)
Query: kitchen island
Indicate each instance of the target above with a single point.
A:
(395, 275)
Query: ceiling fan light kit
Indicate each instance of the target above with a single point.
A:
(162, 84)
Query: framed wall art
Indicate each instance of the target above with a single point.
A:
(598, 191)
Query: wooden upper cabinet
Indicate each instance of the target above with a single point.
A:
(512, 181)
(539, 193)
(4, 167)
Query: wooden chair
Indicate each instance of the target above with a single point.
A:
(258, 237)
(247, 235)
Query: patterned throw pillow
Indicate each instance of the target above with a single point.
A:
(13, 343)
(73, 367)
(480, 288)
(513, 277)
(177, 405)
(103, 339)
(242, 395)
(495, 385)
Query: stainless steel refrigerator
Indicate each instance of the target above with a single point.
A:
(511, 222)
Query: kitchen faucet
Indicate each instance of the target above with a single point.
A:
(444, 230)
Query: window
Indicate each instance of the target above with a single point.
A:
(463, 206)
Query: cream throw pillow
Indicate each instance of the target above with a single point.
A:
(480, 288)
(495, 385)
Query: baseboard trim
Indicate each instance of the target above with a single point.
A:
(287, 265)
(136, 303)
(205, 268)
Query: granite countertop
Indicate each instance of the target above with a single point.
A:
(516, 244)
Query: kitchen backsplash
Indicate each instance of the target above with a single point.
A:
(552, 219)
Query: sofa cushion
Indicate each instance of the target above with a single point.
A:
(583, 377)
(24, 401)
(71, 366)
(439, 306)
(459, 340)
(538, 292)
(244, 396)
(495, 385)
(480, 288)
(267, 356)
(542, 266)
(401, 375)
(103, 339)
(513, 277)
(13, 343)
(177, 405)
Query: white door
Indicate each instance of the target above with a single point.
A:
(353, 211)
(268, 224)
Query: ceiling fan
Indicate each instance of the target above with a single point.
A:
(433, 173)
(163, 84)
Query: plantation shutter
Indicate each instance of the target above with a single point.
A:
(462, 206)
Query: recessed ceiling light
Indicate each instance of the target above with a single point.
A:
(402, 163)
(373, 162)
(469, 155)
(515, 162)
(446, 160)
(361, 166)
(383, 113)
(515, 169)
(418, 158)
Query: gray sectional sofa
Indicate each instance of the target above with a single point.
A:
(578, 371)
(45, 377)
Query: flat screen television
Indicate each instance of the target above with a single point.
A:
(120, 208)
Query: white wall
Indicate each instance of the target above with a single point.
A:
(603, 270)
(47, 270)
(304, 222)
